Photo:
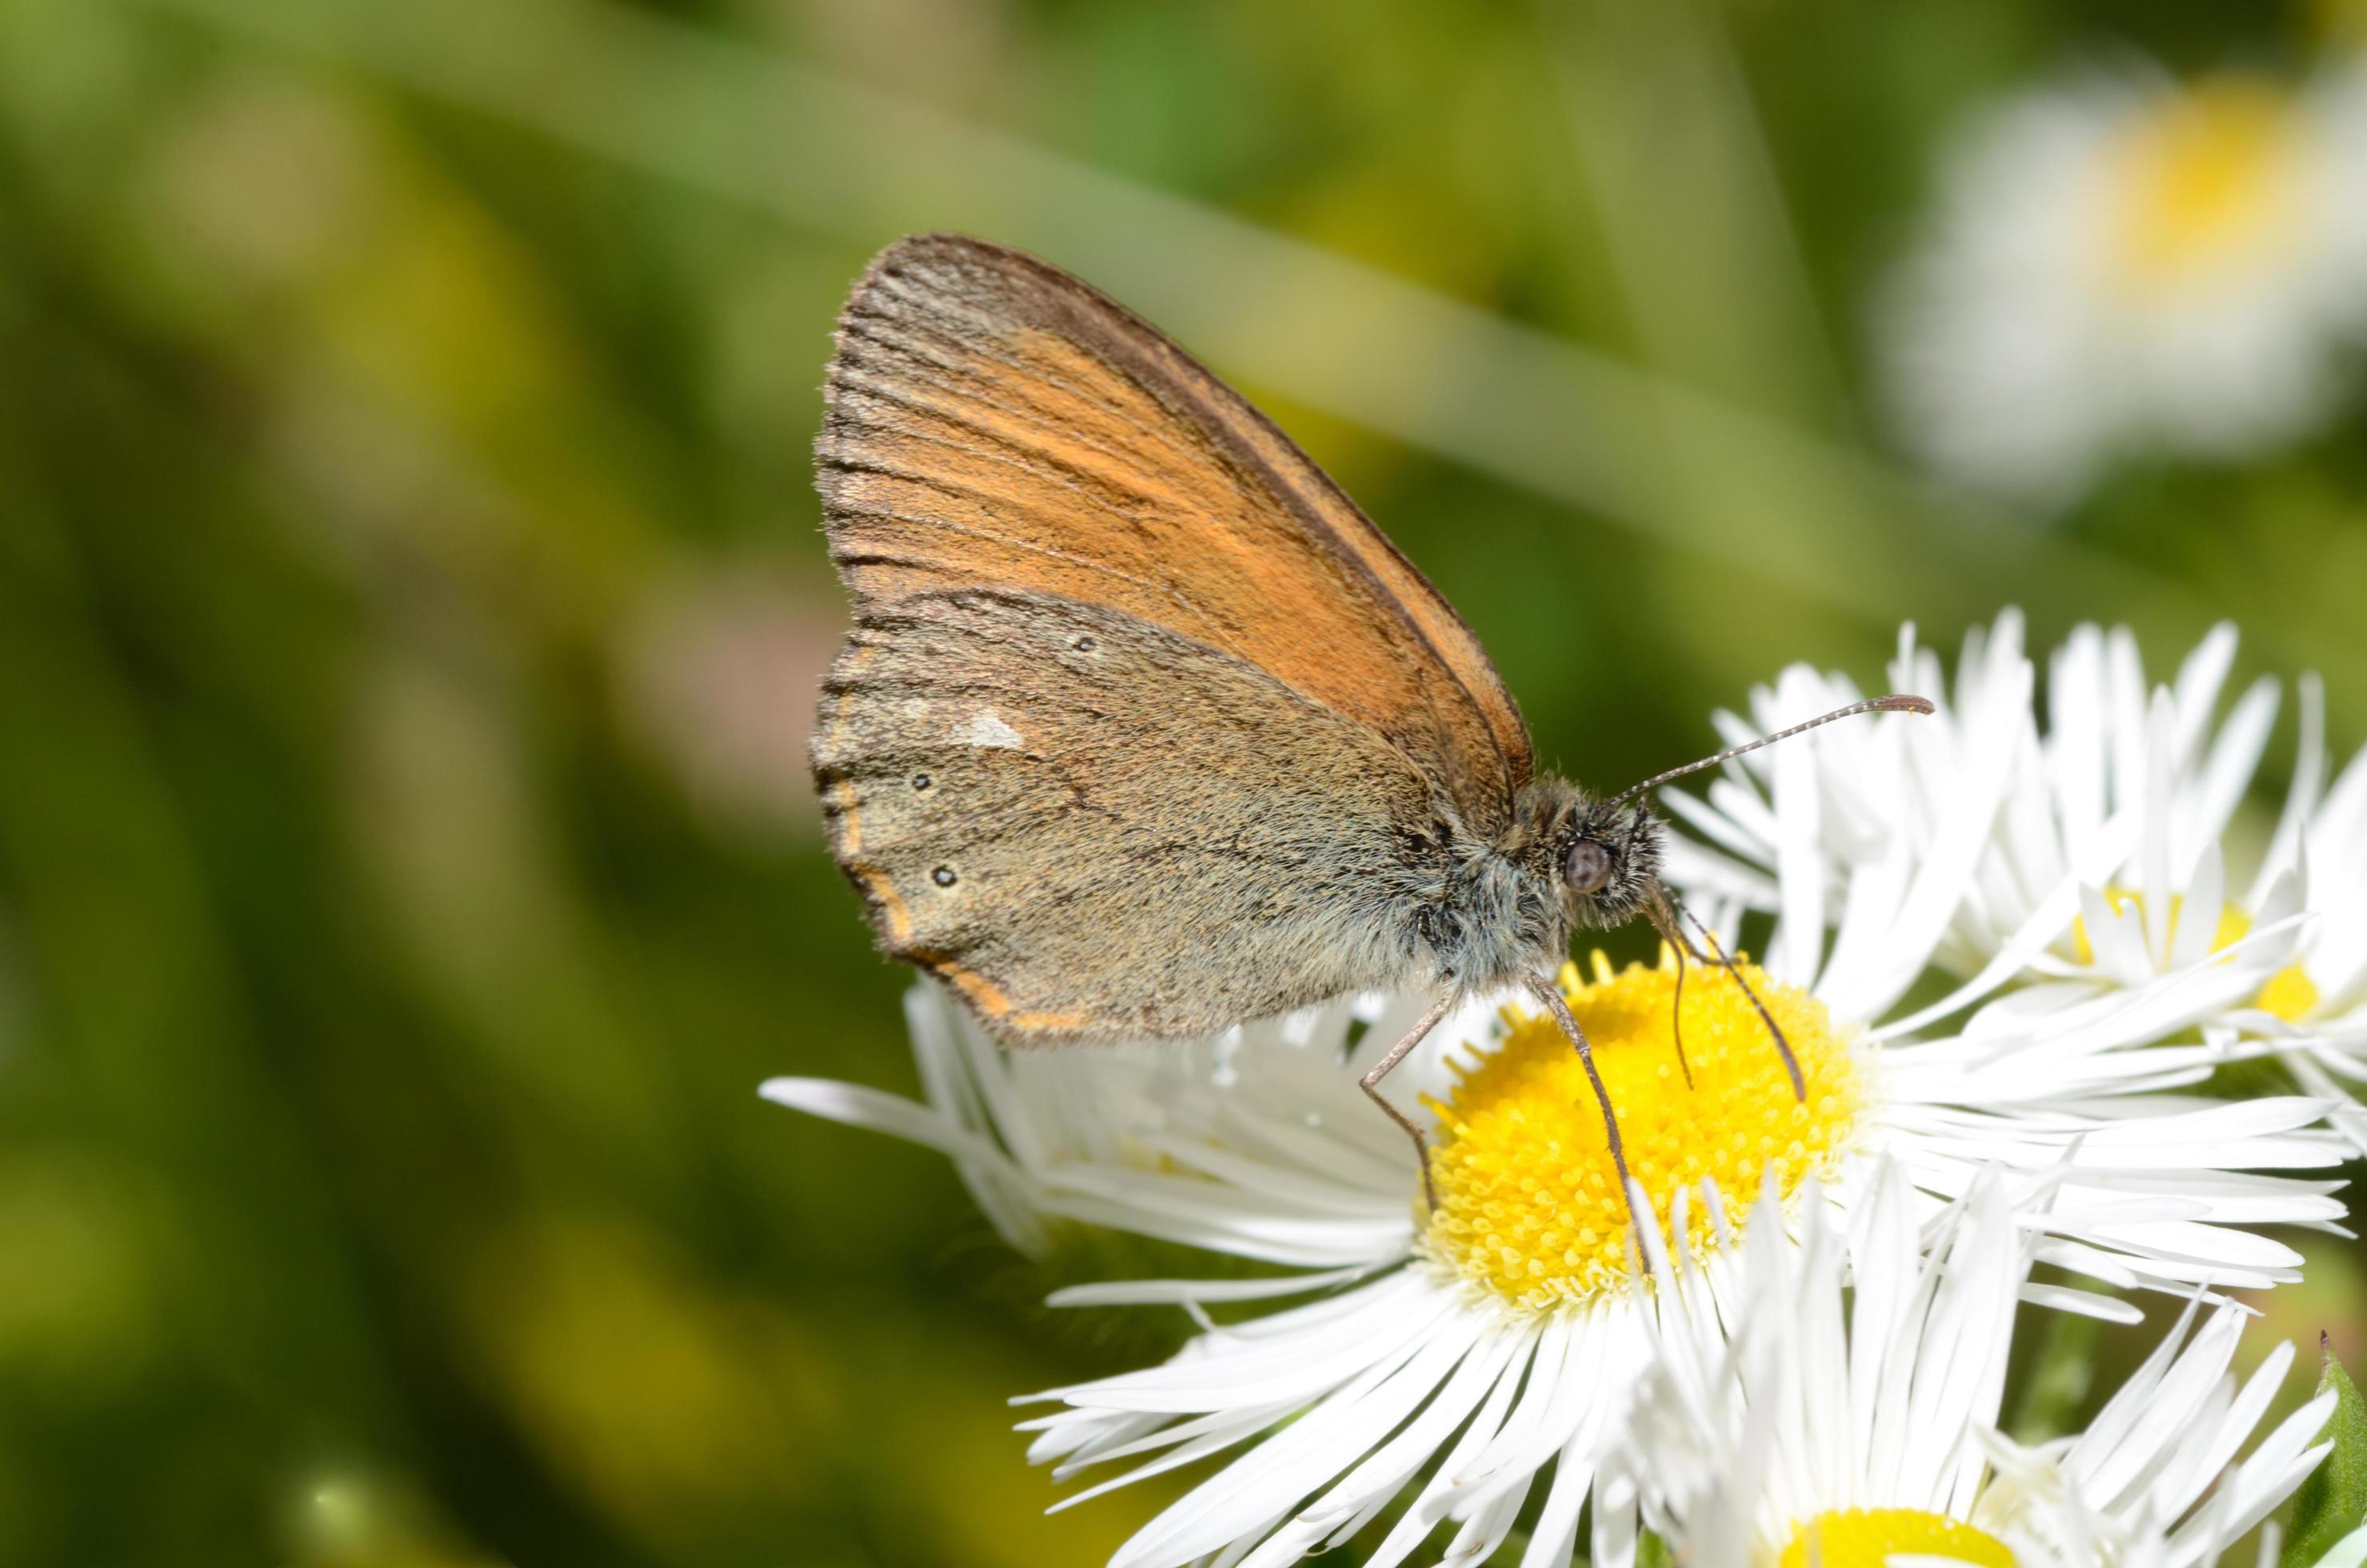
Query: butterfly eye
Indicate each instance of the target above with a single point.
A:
(1586, 867)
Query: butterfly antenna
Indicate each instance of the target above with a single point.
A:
(1895, 703)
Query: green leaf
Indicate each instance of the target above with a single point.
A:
(2333, 1501)
(2350, 1551)
(2062, 1370)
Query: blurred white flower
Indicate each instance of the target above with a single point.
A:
(2104, 867)
(1793, 1422)
(2123, 260)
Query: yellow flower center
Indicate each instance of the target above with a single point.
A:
(1866, 1538)
(2203, 184)
(2290, 994)
(1528, 1200)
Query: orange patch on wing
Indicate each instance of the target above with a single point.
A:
(850, 821)
(900, 919)
(996, 422)
(984, 994)
(988, 998)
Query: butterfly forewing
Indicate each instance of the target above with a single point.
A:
(1140, 712)
(995, 422)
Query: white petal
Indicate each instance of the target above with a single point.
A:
(1123, 1292)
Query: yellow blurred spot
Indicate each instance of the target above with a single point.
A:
(354, 1517)
(1528, 1198)
(1869, 1538)
(2337, 24)
(85, 1262)
(660, 1397)
(340, 1514)
(2290, 994)
(2202, 185)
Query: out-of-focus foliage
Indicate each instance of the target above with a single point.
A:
(411, 603)
(2333, 1502)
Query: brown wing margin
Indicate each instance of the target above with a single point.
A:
(995, 422)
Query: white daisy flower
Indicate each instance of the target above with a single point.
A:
(1789, 1422)
(1469, 1355)
(2102, 864)
(2125, 259)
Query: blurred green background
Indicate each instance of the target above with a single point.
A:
(411, 599)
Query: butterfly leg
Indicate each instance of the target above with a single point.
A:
(1665, 924)
(1548, 992)
(1717, 958)
(1371, 1083)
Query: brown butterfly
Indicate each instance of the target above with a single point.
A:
(1143, 728)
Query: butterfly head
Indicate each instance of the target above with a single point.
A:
(1608, 850)
(1609, 862)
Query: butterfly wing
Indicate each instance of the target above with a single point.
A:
(1096, 829)
(1144, 728)
(995, 422)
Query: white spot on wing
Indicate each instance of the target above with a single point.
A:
(985, 728)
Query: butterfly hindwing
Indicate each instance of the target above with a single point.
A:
(1085, 824)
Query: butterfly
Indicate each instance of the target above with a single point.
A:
(1142, 729)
